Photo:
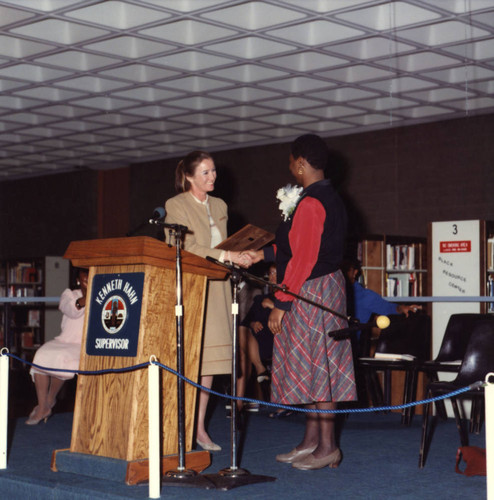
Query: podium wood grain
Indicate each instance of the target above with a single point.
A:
(111, 410)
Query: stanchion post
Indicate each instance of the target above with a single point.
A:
(154, 429)
(489, 433)
(4, 406)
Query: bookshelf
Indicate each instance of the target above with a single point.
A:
(394, 266)
(23, 324)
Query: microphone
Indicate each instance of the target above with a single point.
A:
(354, 325)
(158, 213)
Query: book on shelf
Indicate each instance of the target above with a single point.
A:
(490, 254)
(401, 285)
(24, 272)
(490, 293)
(33, 318)
(27, 339)
(400, 257)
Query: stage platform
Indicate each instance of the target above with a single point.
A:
(380, 461)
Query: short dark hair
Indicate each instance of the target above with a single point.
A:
(313, 149)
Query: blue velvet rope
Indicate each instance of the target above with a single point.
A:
(452, 394)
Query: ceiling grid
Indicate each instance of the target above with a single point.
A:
(102, 84)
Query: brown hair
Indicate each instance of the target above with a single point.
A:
(187, 167)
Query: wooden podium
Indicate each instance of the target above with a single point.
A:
(111, 410)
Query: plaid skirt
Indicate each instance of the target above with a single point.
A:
(308, 365)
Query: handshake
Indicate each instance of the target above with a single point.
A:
(245, 258)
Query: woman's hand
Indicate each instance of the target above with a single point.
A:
(275, 319)
(267, 303)
(256, 326)
(242, 259)
(255, 255)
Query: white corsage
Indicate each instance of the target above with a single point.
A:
(288, 196)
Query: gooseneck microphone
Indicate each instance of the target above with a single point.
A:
(158, 214)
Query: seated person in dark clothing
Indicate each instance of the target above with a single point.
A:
(256, 341)
(363, 303)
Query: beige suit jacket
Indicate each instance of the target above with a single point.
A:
(217, 339)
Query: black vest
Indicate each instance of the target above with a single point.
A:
(332, 238)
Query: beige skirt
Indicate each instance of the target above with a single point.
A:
(217, 338)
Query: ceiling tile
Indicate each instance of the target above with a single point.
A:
(356, 73)
(116, 14)
(317, 32)
(17, 48)
(43, 5)
(437, 95)
(371, 48)
(465, 73)
(130, 47)
(188, 32)
(401, 84)
(388, 16)
(292, 103)
(195, 84)
(333, 111)
(417, 62)
(324, 6)
(91, 84)
(31, 72)
(244, 94)
(247, 73)
(424, 111)
(187, 5)
(147, 94)
(253, 15)
(478, 51)
(78, 60)
(306, 61)
(11, 16)
(298, 84)
(473, 103)
(250, 47)
(191, 60)
(63, 32)
(48, 93)
(139, 73)
(443, 33)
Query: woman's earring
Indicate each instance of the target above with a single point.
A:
(78, 283)
(300, 171)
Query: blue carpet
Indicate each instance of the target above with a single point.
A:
(380, 462)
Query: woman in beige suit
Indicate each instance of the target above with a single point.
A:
(206, 218)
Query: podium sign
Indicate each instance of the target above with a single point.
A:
(115, 314)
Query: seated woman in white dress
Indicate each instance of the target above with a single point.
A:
(63, 352)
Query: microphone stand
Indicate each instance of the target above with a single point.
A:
(352, 322)
(234, 476)
(180, 476)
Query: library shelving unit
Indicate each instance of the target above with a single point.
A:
(22, 323)
(394, 266)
